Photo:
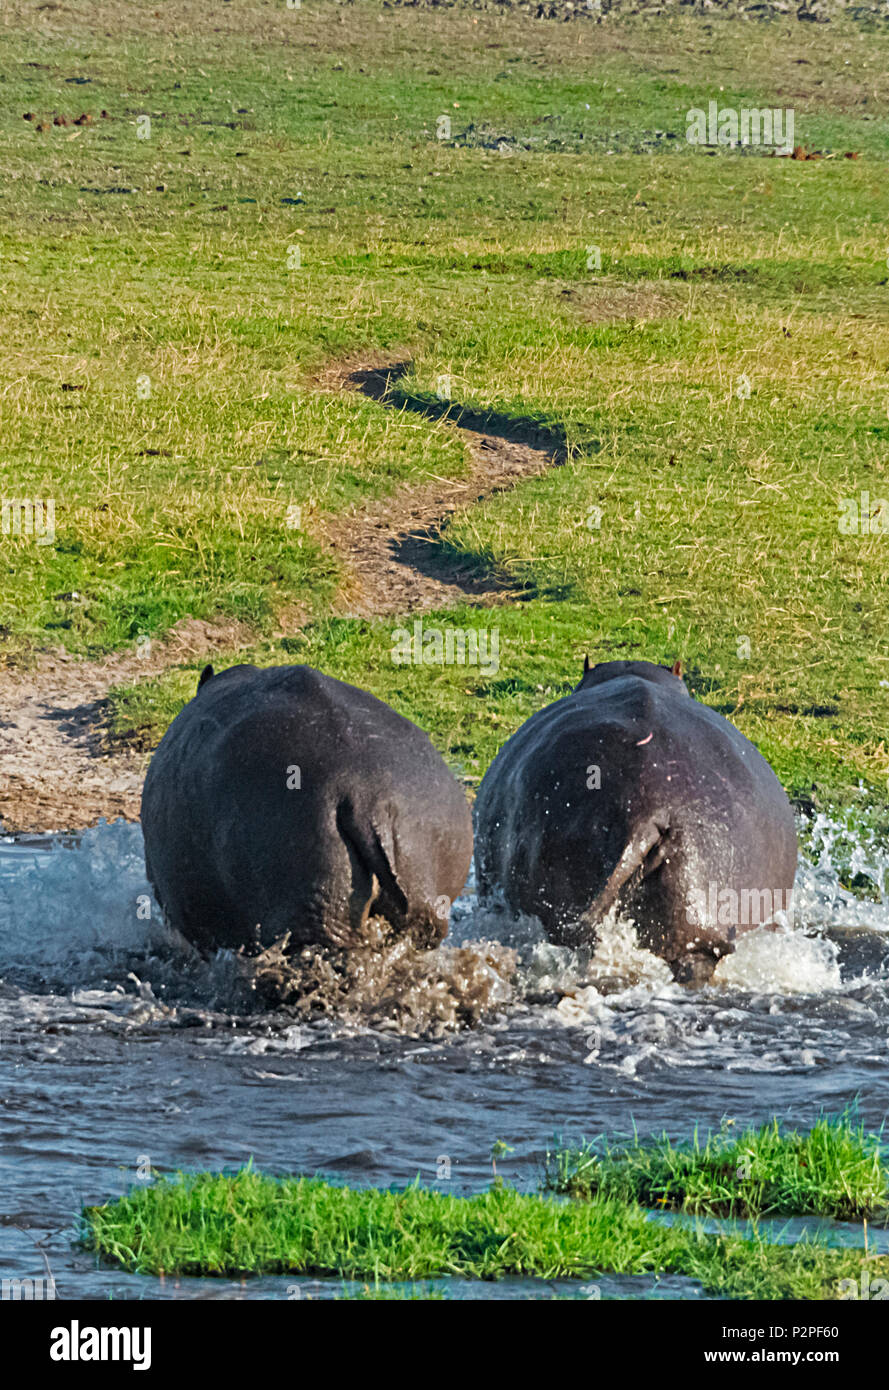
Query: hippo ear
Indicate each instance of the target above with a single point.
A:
(677, 668)
(206, 674)
(586, 664)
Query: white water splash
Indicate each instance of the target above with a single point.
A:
(781, 962)
(70, 907)
(838, 846)
(67, 902)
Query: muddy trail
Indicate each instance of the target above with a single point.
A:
(58, 769)
(394, 551)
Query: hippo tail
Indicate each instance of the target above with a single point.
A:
(643, 854)
(372, 843)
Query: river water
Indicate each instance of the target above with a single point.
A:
(120, 1052)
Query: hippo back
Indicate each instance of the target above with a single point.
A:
(630, 791)
(283, 800)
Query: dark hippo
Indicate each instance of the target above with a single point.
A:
(281, 800)
(629, 793)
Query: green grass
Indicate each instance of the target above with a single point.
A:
(248, 1223)
(469, 713)
(380, 1293)
(834, 1170)
(169, 259)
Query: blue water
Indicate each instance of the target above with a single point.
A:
(120, 1054)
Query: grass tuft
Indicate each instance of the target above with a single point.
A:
(248, 1223)
(833, 1170)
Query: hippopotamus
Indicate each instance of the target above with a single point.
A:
(629, 794)
(284, 803)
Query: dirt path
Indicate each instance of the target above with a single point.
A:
(56, 770)
(391, 550)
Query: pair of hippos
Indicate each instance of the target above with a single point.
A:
(282, 801)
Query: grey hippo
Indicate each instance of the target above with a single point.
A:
(629, 793)
(283, 801)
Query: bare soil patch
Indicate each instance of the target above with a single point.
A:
(57, 771)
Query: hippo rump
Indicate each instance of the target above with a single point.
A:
(283, 801)
(630, 794)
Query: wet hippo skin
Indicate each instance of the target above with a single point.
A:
(283, 801)
(629, 794)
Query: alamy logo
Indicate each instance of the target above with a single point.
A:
(27, 1290)
(748, 126)
(752, 907)
(76, 1343)
(452, 646)
(864, 516)
(869, 1289)
(29, 516)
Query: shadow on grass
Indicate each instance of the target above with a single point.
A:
(382, 384)
(425, 548)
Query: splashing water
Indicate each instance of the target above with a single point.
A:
(781, 962)
(71, 905)
(842, 847)
(77, 913)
